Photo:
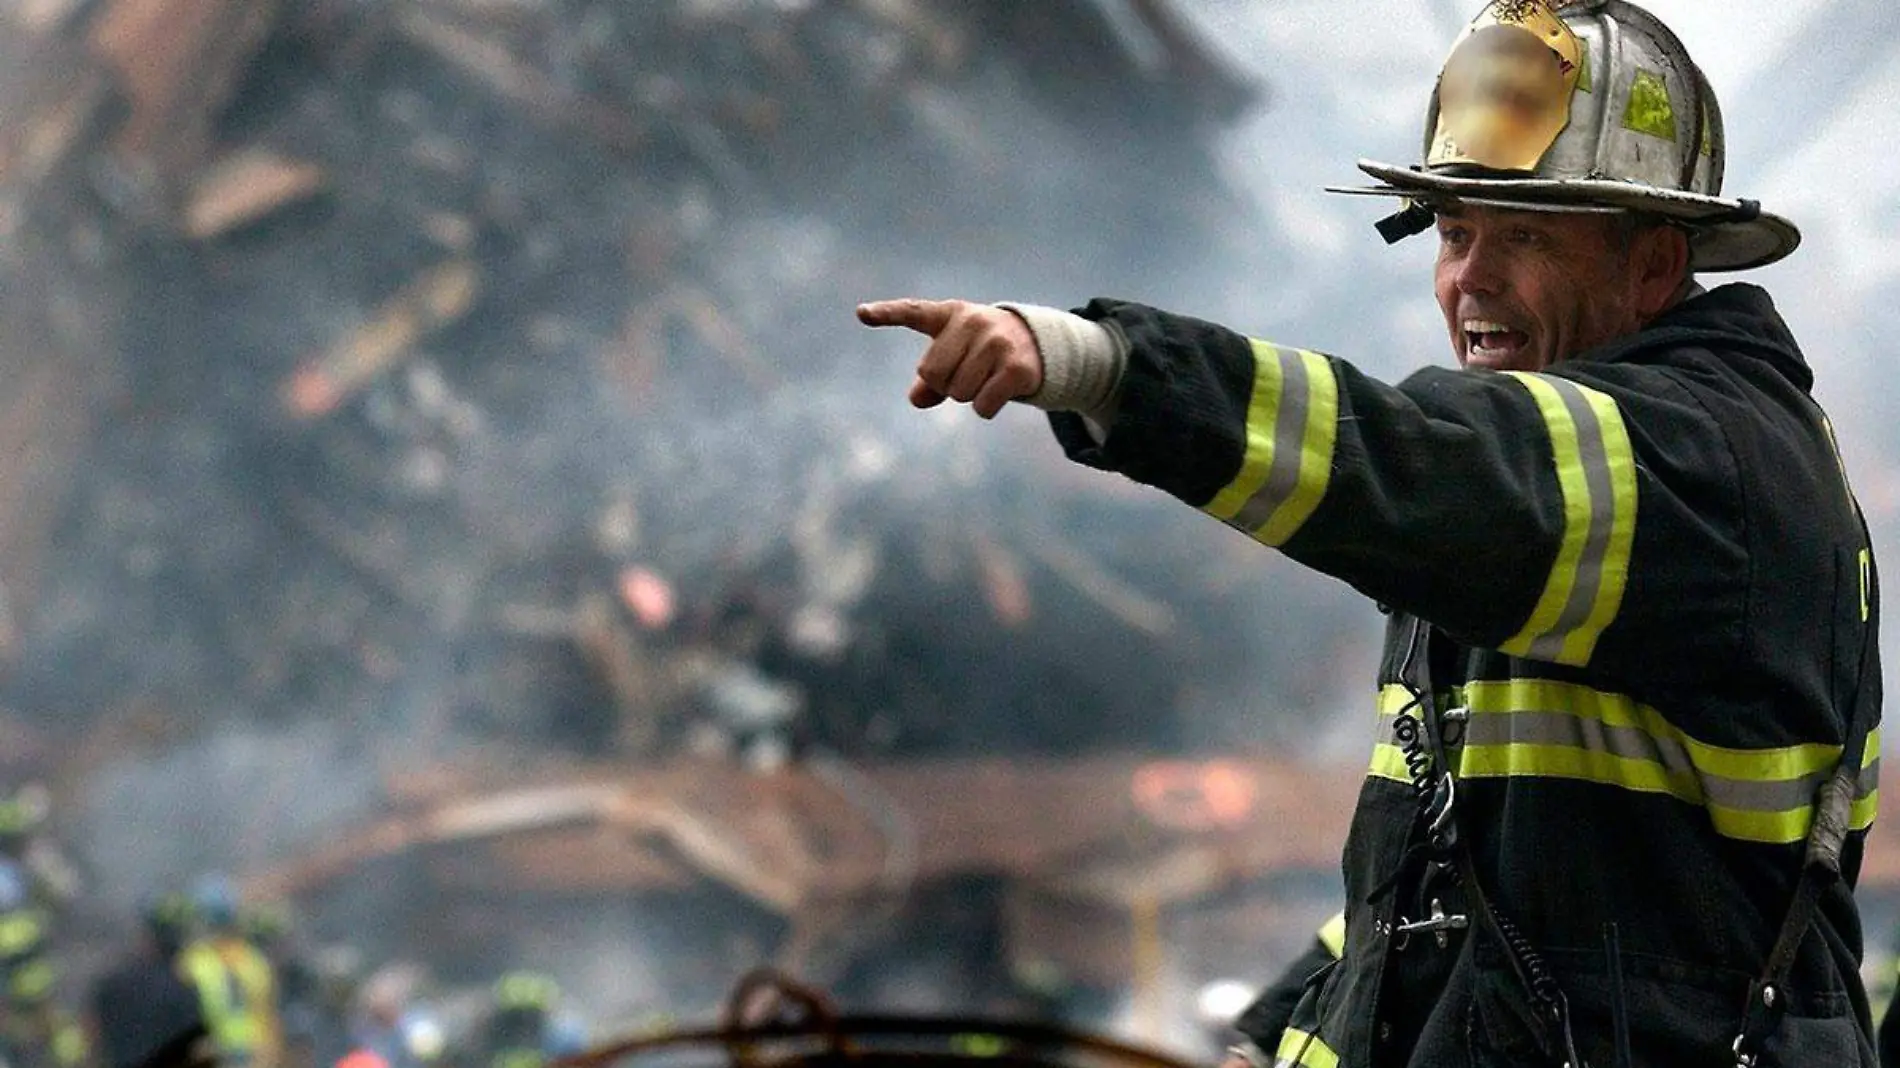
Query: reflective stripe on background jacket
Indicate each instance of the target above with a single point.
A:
(1646, 579)
(237, 997)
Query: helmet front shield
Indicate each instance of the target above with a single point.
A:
(1504, 94)
(1579, 105)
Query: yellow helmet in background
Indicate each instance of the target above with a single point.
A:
(526, 990)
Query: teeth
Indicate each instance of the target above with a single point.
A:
(1481, 326)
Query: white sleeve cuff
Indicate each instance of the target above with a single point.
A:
(1082, 362)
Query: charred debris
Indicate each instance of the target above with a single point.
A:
(509, 343)
(467, 391)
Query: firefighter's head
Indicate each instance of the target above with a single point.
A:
(523, 1003)
(167, 916)
(214, 901)
(1522, 290)
(1582, 137)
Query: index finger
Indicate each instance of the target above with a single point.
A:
(923, 316)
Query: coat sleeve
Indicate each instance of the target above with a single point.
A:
(1267, 1016)
(1502, 507)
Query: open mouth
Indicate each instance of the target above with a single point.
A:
(1493, 343)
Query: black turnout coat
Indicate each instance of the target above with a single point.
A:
(1631, 608)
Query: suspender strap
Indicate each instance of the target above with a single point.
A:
(1821, 869)
(1821, 860)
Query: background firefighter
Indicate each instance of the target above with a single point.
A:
(236, 986)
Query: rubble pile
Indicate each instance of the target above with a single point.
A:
(488, 371)
(426, 376)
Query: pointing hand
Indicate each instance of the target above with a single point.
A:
(979, 353)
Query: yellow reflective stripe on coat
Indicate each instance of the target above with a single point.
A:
(70, 1046)
(1299, 1049)
(518, 1058)
(31, 982)
(20, 931)
(1292, 427)
(1596, 471)
(1539, 728)
(235, 993)
(1332, 935)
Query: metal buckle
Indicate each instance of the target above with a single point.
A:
(1439, 924)
(1753, 1021)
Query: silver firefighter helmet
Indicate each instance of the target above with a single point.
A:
(1579, 106)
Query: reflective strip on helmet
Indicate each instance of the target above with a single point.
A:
(1596, 470)
(1292, 427)
(1300, 1049)
(1650, 110)
(1332, 935)
(1543, 729)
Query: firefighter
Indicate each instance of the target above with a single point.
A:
(35, 1032)
(170, 919)
(1619, 797)
(1884, 992)
(1265, 1019)
(236, 988)
(36, 882)
(144, 1006)
(390, 1020)
(267, 925)
(525, 1027)
(24, 814)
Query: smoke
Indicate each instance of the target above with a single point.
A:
(659, 370)
(224, 801)
(265, 604)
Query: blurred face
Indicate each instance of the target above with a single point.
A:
(1524, 290)
(1504, 98)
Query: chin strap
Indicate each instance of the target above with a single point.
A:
(1414, 218)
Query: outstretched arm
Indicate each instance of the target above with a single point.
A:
(990, 354)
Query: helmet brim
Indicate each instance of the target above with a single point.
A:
(1724, 234)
